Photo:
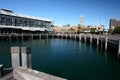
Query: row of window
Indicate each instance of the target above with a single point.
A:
(17, 21)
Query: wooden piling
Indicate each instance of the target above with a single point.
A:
(70, 35)
(91, 39)
(66, 36)
(97, 40)
(26, 57)
(15, 53)
(119, 48)
(106, 39)
(84, 37)
(52, 35)
(40, 36)
(22, 36)
(80, 37)
(10, 37)
(32, 36)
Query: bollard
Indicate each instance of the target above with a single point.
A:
(97, 40)
(91, 39)
(26, 57)
(80, 37)
(15, 52)
(119, 48)
(106, 43)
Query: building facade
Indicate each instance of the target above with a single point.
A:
(82, 21)
(10, 21)
(114, 23)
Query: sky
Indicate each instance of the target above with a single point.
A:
(67, 11)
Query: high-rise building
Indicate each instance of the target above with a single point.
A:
(114, 23)
(82, 20)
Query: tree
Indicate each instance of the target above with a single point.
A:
(117, 30)
(111, 31)
(68, 24)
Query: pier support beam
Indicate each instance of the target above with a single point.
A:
(40, 36)
(10, 37)
(52, 35)
(66, 36)
(15, 52)
(119, 48)
(101, 40)
(70, 36)
(32, 36)
(91, 39)
(80, 37)
(22, 36)
(84, 37)
(47, 36)
(97, 40)
(106, 39)
(26, 57)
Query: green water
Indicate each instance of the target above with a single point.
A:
(70, 59)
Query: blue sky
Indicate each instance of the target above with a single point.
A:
(67, 11)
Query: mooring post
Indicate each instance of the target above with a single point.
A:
(15, 51)
(80, 37)
(26, 57)
(97, 40)
(106, 39)
(119, 48)
(85, 37)
(91, 39)
(1, 70)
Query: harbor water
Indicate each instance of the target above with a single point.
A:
(70, 59)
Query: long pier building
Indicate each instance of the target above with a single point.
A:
(11, 22)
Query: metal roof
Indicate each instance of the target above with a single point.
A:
(11, 13)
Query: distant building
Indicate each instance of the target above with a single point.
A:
(11, 22)
(113, 23)
(82, 21)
